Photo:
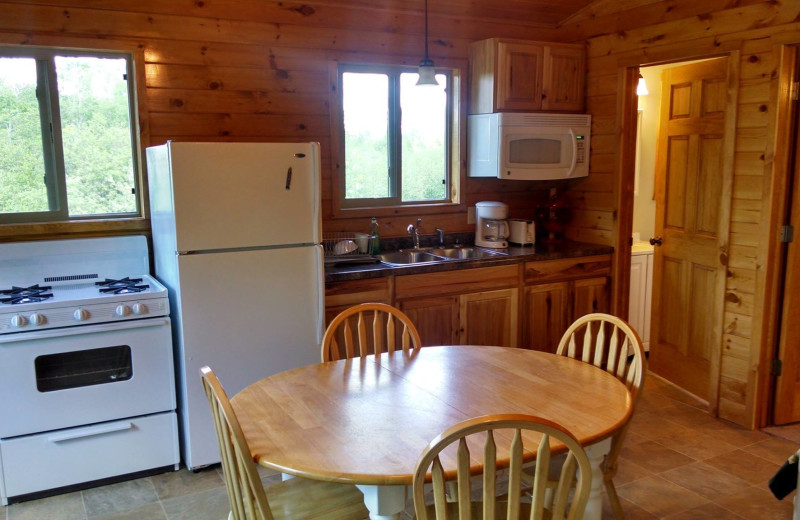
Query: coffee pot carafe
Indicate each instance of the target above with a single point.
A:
(491, 226)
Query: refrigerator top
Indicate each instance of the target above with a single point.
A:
(228, 196)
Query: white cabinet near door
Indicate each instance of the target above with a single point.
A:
(641, 290)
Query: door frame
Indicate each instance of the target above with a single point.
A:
(779, 200)
(627, 124)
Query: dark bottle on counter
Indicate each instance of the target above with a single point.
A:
(376, 238)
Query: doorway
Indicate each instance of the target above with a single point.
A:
(681, 200)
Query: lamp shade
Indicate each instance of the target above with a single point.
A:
(427, 73)
(641, 88)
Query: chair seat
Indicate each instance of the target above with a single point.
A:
(301, 498)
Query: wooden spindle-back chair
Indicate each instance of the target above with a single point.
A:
(610, 343)
(368, 328)
(289, 499)
(497, 497)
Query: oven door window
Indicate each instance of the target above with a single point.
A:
(535, 151)
(83, 368)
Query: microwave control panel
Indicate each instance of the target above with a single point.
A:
(580, 156)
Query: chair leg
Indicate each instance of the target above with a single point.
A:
(613, 498)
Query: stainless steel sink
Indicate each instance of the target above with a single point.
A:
(409, 257)
(433, 256)
(465, 253)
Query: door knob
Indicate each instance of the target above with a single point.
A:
(655, 241)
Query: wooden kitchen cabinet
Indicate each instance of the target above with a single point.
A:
(521, 75)
(557, 292)
(545, 315)
(436, 318)
(342, 295)
(472, 306)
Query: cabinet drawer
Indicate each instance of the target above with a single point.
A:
(83, 454)
(349, 293)
(457, 282)
(567, 269)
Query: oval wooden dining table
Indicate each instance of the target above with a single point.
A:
(366, 421)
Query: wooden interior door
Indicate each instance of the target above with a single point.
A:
(787, 385)
(693, 194)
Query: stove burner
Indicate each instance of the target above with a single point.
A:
(124, 286)
(31, 294)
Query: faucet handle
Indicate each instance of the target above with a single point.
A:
(419, 223)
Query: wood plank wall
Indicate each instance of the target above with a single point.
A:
(667, 31)
(257, 70)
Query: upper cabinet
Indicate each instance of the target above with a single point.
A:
(521, 75)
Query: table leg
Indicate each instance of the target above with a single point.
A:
(384, 502)
(596, 453)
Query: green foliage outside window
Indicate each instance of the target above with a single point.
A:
(90, 114)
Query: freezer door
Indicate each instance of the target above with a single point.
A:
(247, 315)
(238, 195)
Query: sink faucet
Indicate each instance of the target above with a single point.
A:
(414, 232)
(441, 236)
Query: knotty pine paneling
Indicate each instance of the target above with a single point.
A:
(257, 70)
(644, 32)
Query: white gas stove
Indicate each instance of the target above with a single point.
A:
(86, 351)
(45, 285)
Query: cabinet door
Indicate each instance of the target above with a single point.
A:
(638, 288)
(544, 317)
(489, 318)
(519, 76)
(563, 78)
(590, 295)
(436, 318)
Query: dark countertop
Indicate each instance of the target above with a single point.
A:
(554, 250)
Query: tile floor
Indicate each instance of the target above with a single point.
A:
(678, 464)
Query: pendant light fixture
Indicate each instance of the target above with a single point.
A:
(427, 73)
(641, 88)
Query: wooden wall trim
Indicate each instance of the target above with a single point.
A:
(626, 165)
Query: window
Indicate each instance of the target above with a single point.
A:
(395, 137)
(67, 142)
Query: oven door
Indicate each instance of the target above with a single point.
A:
(81, 375)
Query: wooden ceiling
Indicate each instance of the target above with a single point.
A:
(547, 13)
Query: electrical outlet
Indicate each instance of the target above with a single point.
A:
(471, 215)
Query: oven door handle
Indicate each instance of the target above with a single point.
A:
(84, 329)
(92, 431)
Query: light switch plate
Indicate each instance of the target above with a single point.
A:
(471, 215)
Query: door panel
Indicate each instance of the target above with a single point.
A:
(677, 165)
(692, 202)
(545, 318)
(436, 319)
(489, 318)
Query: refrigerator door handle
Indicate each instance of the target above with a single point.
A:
(289, 178)
(321, 285)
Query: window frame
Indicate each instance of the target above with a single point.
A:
(53, 151)
(348, 208)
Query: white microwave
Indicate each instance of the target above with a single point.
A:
(529, 147)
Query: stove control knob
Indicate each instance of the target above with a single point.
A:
(140, 308)
(123, 310)
(37, 319)
(18, 321)
(81, 315)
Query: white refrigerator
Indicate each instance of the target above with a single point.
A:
(237, 241)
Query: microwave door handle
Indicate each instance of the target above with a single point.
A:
(574, 153)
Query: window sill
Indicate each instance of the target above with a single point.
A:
(390, 211)
(74, 229)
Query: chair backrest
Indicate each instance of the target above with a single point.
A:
(507, 430)
(610, 343)
(376, 325)
(245, 491)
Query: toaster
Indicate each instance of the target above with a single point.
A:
(521, 231)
